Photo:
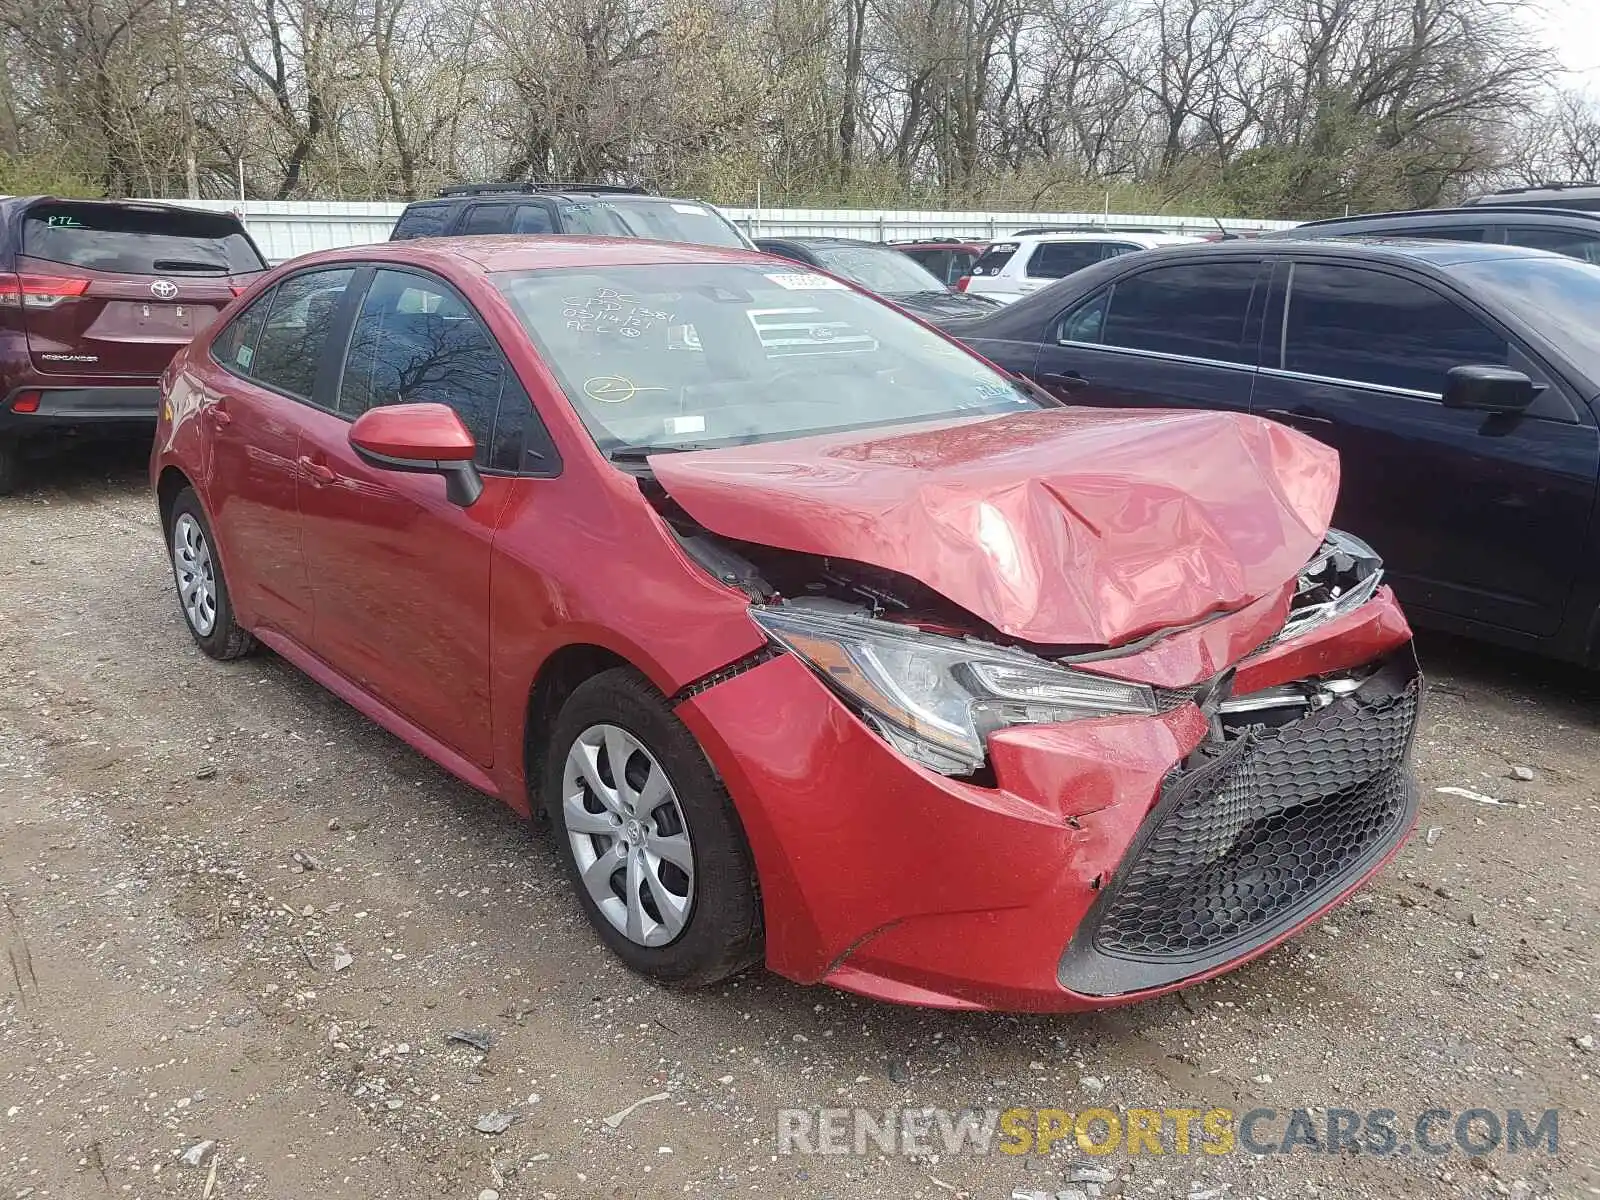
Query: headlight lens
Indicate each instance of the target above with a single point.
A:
(936, 699)
(1343, 575)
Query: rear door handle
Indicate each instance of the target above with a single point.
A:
(219, 414)
(316, 474)
(1063, 379)
(1296, 418)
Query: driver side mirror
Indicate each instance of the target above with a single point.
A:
(1488, 388)
(422, 439)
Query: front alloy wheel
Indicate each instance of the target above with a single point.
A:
(628, 835)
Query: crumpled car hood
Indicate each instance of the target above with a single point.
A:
(1061, 527)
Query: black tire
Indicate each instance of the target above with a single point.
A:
(226, 639)
(10, 467)
(723, 933)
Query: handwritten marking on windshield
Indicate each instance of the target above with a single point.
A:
(614, 389)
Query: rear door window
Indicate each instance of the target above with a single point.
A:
(289, 349)
(1057, 260)
(138, 241)
(421, 220)
(1349, 323)
(935, 261)
(533, 218)
(994, 259)
(487, 218)
(1191, 310)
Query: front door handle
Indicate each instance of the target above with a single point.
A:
(1296, 418)
(316, 474)
(1070, 380)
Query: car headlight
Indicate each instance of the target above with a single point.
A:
(1342, 575)
(937, 699)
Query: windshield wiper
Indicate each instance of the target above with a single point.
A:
(188, 264)
(640, 453)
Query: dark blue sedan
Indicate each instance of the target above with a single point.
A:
(1458, 382)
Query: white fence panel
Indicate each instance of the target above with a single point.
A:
(287, 228)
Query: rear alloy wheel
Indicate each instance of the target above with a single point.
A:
(202, 589)
(649, 835)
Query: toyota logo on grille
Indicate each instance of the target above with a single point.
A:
(163, 289)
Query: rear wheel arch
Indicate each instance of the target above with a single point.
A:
(169, 486)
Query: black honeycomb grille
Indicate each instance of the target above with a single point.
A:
(1239, 848)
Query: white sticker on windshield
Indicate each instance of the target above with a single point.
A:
(806, 281)
(686, 424)
(694, 210)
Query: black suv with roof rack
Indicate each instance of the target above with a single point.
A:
(571, 209)
(1564, 231)
(1583, 195)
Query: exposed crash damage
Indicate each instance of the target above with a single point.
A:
(1214, 781)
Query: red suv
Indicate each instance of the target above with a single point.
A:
(95, 298)
(816, 638)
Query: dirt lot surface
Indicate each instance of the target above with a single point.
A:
(232, 910)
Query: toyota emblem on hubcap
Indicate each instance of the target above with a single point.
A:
(163, 289)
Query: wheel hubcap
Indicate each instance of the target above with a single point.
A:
(197, 583)
(628, 835)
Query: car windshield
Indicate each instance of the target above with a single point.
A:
(719, 353)
(659, 220)
(1558, 296)
(887, 272)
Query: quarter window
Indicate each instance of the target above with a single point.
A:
(421, 220)
(235, 346)
(1191, 310)
(1057, 260)
(289, 348)
(1376, 328)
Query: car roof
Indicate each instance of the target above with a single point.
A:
(1578, 187)
(1481, 214)
(808, 240)
(493, 253)
(1365, 247)
(1151, 240)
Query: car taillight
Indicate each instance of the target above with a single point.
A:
(26, 402)
(961, 284)
(38, 291)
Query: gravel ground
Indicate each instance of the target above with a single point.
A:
(233, 911)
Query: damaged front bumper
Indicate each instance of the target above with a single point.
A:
(1107, 860)
(1255, 832)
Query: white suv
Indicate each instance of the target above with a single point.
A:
(1011, 269)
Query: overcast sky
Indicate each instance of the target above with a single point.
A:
(1573, 28)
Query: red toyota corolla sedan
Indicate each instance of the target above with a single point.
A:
(819, 640)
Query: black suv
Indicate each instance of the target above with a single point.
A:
(1583, 195)
(574, 209)
(1563, 230)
